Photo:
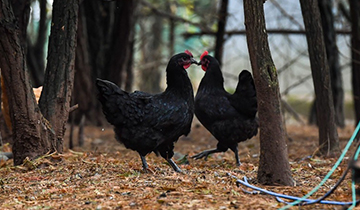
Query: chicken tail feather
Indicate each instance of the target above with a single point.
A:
(244, 97)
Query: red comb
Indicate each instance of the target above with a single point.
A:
(204, 53)
(189, 53)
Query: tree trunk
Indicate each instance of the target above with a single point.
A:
(21, 9)
(129, 68)
(31, 134)
(104, 51)
(332, 54)
(328, 138)
(121, 41)
(151, 53)
(172, 27)
(96, 21)
(355, 55)
(274, 166)
(59, 76)
(83, 85)
(221, 30)
(35, 54)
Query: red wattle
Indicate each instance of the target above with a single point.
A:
(203, 67)
(187, 66)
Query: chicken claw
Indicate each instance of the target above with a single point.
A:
(173, 165)
(205, 154)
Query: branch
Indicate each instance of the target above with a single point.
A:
(299, 82)
(344, 11)
(73, 108)
(269, 31)
(283, 11)
(291, 62)
(292, 111)
(173, 17)
(302, 80)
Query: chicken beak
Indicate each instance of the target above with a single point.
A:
(192, 60)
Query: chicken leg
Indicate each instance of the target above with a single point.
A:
(173, 165)
(205, 154)
(144, 163)
(236, 152)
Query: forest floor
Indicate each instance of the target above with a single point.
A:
(105, 175)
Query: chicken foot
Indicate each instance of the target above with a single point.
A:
(205, 154)
(173, 165)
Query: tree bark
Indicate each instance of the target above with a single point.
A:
(332, 54)
(274, 167)
(83, 85)
(59, 76)
(355, 55)
(221, 30)
(328, 138)
(121, 41)
(31, 133)
(21, 9)
(105, 51)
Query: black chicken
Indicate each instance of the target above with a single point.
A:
(230, 118)
(152, 123)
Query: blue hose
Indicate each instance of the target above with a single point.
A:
(329, 173)
(304, 200)
(278, 195)
(353, 190)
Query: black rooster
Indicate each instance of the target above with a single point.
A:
(230, 118)
(152, 123)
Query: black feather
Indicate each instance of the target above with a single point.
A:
(151, 123)
(231, 118)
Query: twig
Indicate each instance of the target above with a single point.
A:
(283, 11)
(73, 108)
(299, 82)
(344, 11)
(292, 111)
(291, 62)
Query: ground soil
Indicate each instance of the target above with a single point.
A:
(105, 175)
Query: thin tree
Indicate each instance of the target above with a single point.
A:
(332, 53)
(172, 27)
(104, 50)
(222, 17)
(274, 166)
(37, 132)
(151, 49)
(35, 51)
(355, 55)
(328, 138)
